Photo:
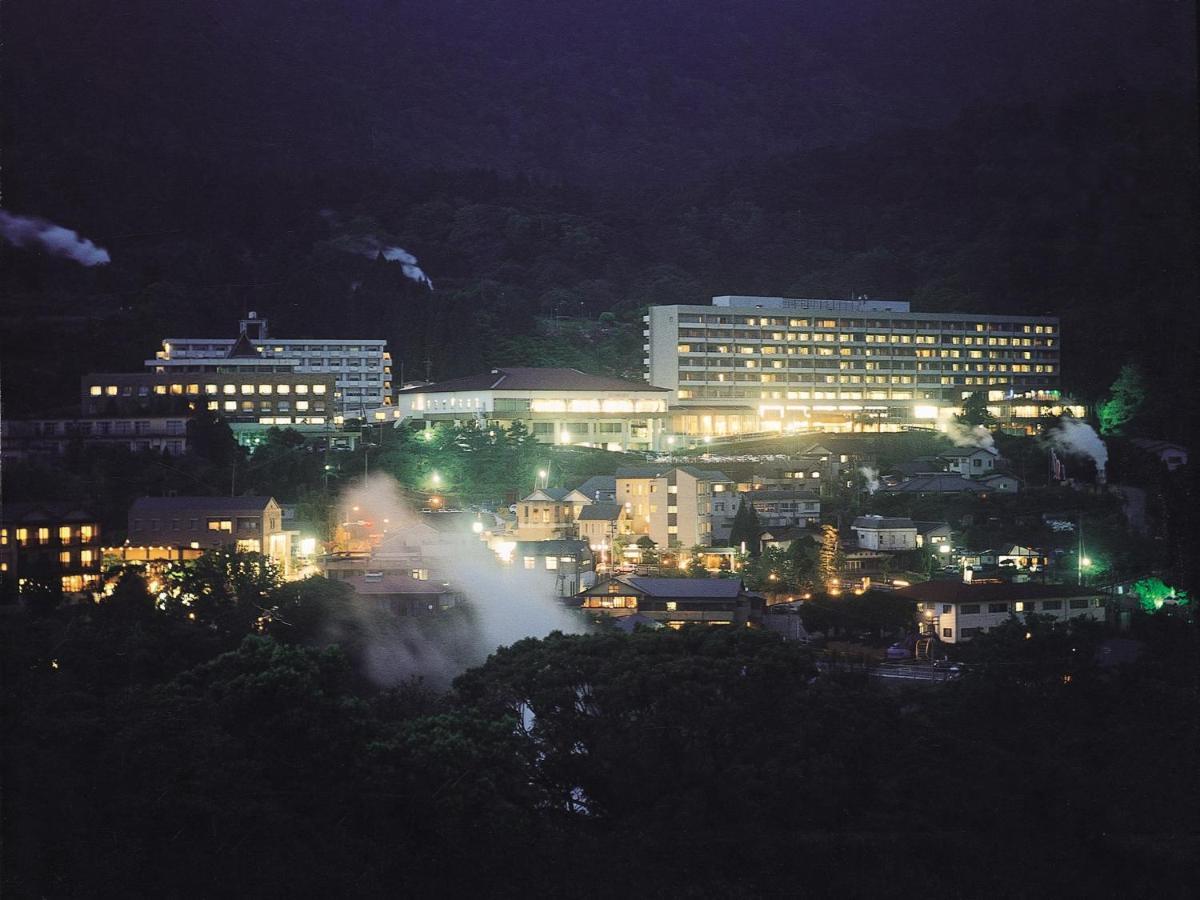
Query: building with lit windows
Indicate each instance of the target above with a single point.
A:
(246, 524)
(672, 506)
(361, 369)
(248, 399)
(761, 364)
(557, 406)
(49, 544)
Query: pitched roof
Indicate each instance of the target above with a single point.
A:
(393, 584)
(600, 512)
(926, 527)
(985, 591)
(45, 511)
(777, 494)
(521, 378)
(243, 348)
(957, 452)
(552, 548)
(598, 484)
(149, 506)
(656, 471)
(555, 493)
(713, 588)
(936, 484)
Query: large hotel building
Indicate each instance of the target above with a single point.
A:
(755, 364)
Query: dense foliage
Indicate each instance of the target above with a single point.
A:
(142, 747)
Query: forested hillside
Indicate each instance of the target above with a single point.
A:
(680, 151)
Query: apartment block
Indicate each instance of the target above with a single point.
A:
(673, 506)
(747, 364)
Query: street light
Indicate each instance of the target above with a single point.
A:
(435, 478)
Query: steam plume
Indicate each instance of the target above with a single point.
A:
(975, 436)
(504, 605)
(872, 477)
(1073, 436)
(56, 240)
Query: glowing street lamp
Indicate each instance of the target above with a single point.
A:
(435, 478)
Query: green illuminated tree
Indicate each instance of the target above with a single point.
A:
(1125, 400)
(1153, 593)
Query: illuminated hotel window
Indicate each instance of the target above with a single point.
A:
(160, 389)
(247, 389)
(230, 405)
(86, 532)
(64, 558)
(318, 389)
(264, 389)
(64, 534)
(111, 390)
(229, 388)
(22, 536)
(95, 390)
(302, 389)
(43, 535)
(283, 389)
(210, 389)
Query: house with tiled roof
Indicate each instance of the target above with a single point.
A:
(674, 602)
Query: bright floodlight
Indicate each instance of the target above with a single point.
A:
(945, 548)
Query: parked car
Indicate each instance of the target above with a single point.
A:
(897, 652)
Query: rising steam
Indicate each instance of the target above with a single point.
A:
(975, 436)
(56, 240)
(872, 478)
(503, 606)
(1073, 436)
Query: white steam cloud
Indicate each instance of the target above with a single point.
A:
(504, 604)
(21, 231)
(975, 436)
(872, 478)
(1073, 436)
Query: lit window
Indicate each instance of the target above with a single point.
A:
(111, 390)
(247, 389)
(64, 558)
(229, 388)
(177, 389)
(318, 388)
(230, 405)
(85, 557)
(160, 389)
(210, 389)
(86, 532)
(264, 389)
(64, 534)
(95, 390)
(43, 535)
(22, 536)
(301, 404)
(283, 389)
(302, 389)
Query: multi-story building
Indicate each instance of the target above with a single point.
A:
(557, 406)
(956, 611)
(885, 533)
(549, 513)
(673, 506)
(249, 399)
(51, 544)
(21, 439)
(776, 364)
(361, 368)
(674, 602)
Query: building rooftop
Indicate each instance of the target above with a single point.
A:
(600, 512)
(989, 590)
(657, 471)
(936, 484)
(151, 506)
(777, 494)
(393, 583)
(714, 588)
(867, 522)
(523, 378)
(961, 452)
(598, 484)
(46, 511)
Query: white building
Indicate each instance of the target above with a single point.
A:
(970, 462)
(558, 406)
(748, 364)
(885, 533)
(957, 611)
(361, 368)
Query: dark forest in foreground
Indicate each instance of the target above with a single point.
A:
(147, 754)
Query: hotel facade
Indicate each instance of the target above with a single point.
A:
(762, 364)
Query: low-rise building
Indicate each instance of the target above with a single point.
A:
(970, 462)
(549, 513)
(247, 524)
(1025, 558)
(52, 544)
(1170, 455)
(601, 524)
(778, 508)
(932, 534)
(885, 533)
(936, 483)
(402, 594)
(557, 406)
(675, 602)
(43, 437)
(600, 489)
(571, 563)
(956, 611)
(1001, 483)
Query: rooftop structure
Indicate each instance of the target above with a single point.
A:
(675, 601)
